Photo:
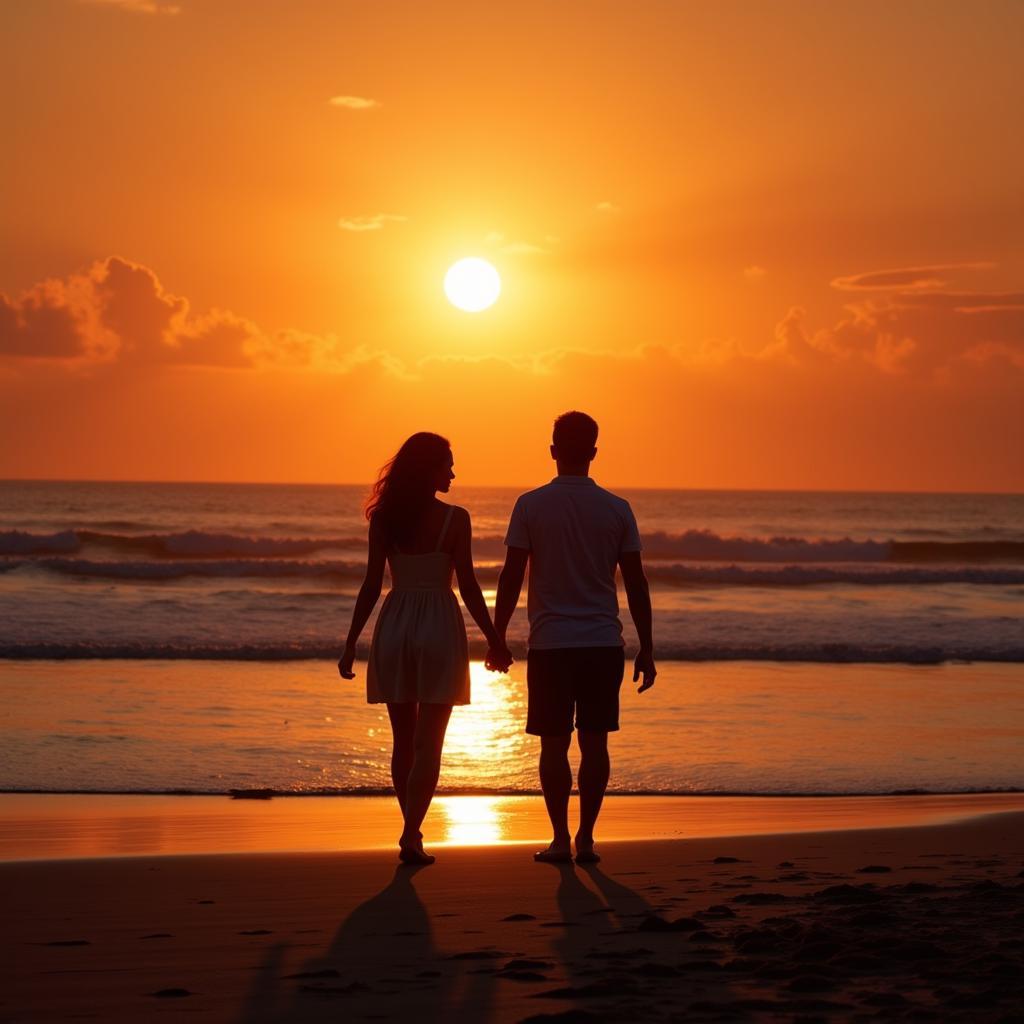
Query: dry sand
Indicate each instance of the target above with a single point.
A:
(920, 923)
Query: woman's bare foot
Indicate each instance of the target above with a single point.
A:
(411, 855)
(410, 851)
(585, 853)
(556, 853)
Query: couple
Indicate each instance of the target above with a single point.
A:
(573, 534)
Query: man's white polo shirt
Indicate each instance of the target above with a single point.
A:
(575, 532)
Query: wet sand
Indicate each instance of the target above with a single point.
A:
(915, 923)
(36, 826)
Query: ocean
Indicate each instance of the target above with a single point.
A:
(808, 643)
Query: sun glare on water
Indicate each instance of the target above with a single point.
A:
(472, 284)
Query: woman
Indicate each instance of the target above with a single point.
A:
(419, 658)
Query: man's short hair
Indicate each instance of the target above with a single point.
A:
(575, 435)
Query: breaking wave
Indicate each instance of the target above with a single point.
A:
(658, 573)
(797, 650)
(692, 545)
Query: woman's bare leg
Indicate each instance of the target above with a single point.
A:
(431, 725)
(403, 734)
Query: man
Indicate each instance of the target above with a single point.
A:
(573, 534)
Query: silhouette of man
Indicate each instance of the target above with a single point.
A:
(573, 534)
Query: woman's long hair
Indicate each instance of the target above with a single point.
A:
(406, 485)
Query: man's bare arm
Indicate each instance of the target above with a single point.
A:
(510, 586)
(638, 596)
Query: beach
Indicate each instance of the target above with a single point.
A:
(815, 814)
(915, 923)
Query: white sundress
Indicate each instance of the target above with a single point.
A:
(419, 652)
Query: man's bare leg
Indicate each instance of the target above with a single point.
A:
(556, 784)
(595, 768)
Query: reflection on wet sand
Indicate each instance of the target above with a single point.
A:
(472, 820)
(53, 826)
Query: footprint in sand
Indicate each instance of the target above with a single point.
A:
(66, 942)
(336, 990)
(256, 931)
(659, 924)
(760, 899)
(717, 911)
(171, 993)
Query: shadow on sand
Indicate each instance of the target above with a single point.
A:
(382, 963)
(613, 964)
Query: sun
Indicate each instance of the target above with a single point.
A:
(472, 284)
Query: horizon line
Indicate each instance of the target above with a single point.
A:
(509, 486)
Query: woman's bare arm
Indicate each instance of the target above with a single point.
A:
(469, 588)
(369, 592)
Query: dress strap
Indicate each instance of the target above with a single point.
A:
(444, 529)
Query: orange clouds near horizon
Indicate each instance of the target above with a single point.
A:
(225, 261)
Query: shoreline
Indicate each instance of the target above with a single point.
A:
(67, 827)
(820, 657)
(475, 791)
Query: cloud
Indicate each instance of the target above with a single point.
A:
(930, 335)
(354, 102)
(605, 206)
(374, 223)
(137, 6)
(915, 324)
(116, 313)
(54, 320)
(906, 278)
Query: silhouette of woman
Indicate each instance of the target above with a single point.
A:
(419, 660)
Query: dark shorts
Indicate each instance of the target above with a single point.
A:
(584, 680)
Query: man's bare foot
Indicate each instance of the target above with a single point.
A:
(585, 852)
(556, 853)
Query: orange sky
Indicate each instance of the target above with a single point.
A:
(765, 244)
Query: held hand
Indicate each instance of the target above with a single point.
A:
(498, 658)
(345, 663)
(644, 666)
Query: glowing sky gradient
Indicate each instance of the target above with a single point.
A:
(765, 244)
